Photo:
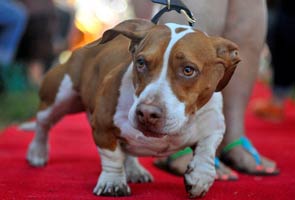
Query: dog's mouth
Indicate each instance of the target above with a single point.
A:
(151, 133)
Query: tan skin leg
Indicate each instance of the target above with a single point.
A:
(250, 38)
(142, 9)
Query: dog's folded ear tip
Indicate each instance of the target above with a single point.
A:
(235, 53)
(134, 29)
(235, 57)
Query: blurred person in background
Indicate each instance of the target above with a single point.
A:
(281, 44)
(13, 19)
(46, 35)
(245, 24)
(40, 39)
(36, 47)
(64, 25)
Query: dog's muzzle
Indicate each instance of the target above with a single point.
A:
(150, 119)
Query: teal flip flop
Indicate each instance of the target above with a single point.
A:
(247, 145)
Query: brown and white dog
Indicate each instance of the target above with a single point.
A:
(148, 90)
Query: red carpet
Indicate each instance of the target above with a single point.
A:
(74, 165)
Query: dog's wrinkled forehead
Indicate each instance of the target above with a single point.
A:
(155, 51)
(177, 32)
(152, 77)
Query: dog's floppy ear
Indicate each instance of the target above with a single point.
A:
(228, 54)
(135, 29)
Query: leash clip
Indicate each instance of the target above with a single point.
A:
(176, 5)
(168, 4)
(190, 18)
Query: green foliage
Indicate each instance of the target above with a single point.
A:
(17, 106)
(18, 98)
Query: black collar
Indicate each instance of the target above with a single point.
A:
(176, 5)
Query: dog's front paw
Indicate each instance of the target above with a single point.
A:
(198, 182)
(110, 184)
(37, 154)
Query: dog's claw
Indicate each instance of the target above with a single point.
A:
(138, 174)
(97, 191)
(112, 181)
(142, 177)
(197, 184)
(112, 190)
(197, 190)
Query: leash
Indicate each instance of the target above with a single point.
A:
(176, 5)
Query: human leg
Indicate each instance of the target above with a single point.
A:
(246, 27)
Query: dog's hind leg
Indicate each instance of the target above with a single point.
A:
(66, 101)
(135, 172)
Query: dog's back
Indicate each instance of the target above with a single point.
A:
(86, 67)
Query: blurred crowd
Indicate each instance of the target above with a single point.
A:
(34, 35)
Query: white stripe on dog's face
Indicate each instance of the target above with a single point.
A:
(174, 38)
(160, 91)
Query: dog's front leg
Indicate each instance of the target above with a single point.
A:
(112, 180)
(201, 172)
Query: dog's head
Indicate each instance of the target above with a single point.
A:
(176, 70)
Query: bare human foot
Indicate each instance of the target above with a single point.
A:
(179, 165)
(224, 173)
(241, 160)
(176, 166)
(242, 156)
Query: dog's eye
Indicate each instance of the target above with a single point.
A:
(140, 64)
(189, 71)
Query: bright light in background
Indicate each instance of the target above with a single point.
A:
(86, 19)
(92, 17)
(92, 13)
(119, 6)
(111, 10)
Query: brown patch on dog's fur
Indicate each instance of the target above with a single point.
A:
(198, 51)
(153, 53)
(100, 89)
(87, 76)
(104, 132)
(178, 30)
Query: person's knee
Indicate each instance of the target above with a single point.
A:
(248, 27)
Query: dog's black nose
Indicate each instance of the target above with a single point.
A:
(149, 114)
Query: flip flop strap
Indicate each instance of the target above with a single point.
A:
(247, 145)
(217, 163)
(186, 151)
(180, 153)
